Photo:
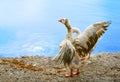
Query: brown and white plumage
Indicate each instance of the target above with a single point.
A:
(67, 50)
(87, 40)
(83, 44)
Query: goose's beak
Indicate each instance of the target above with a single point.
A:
(60, 20)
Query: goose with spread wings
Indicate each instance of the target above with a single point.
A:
(81, 46)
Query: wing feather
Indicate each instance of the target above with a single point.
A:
(87, 40)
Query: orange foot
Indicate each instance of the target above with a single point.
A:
(76, 73)
(69, 75)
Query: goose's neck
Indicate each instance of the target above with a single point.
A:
(77, 31)
(69, 29)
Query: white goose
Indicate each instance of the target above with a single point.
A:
(80, 46)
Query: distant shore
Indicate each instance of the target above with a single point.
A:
(104, 67)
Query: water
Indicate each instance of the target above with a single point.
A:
(31, 28)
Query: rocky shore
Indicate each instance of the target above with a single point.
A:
(104, 67)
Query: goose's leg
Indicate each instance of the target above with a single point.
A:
(65, 67)
(76, 72)
(87, 59)
(70, 74)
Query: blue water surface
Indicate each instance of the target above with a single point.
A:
(30, 27)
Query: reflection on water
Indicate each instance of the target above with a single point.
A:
(45, 41)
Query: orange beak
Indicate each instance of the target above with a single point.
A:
(60, 20)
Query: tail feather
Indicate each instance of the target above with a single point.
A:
(66, 53)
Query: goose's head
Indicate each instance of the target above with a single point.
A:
(63, 20)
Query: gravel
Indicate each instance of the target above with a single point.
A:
(104, 67)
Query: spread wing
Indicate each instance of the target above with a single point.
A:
(87, 40)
